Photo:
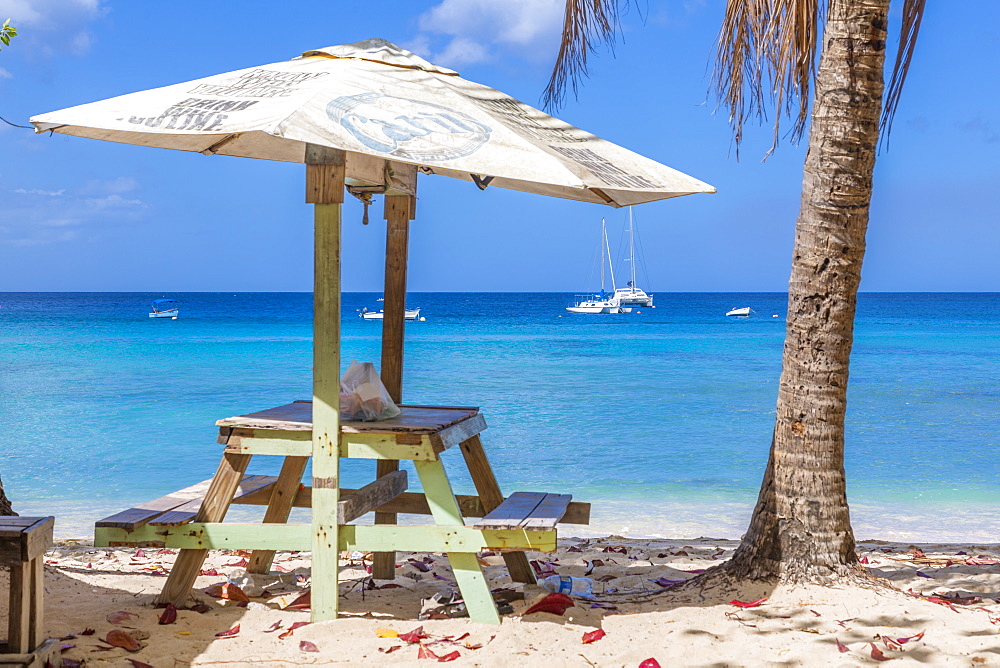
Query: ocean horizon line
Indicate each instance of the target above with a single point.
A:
(475, 292)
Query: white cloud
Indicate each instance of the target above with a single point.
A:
(479, 30)
(53, 26)
(4, 74)
(36, 217)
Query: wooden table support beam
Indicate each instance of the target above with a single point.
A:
(325, 171)
(399, 211)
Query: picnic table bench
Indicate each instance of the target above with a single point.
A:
(23, 542)
(191, 518)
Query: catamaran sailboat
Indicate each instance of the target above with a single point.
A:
(632, 295)
(603, 302)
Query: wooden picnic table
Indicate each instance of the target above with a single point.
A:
(191, 519)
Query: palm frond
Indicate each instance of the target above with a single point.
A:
(766, 57)
(587, 23)
(913, 12)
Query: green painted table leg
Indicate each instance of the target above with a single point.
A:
(468, 573)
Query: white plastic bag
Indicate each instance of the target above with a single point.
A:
(363, 396)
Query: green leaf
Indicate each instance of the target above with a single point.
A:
(5, 39)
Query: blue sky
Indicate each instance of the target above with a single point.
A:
(84, 215)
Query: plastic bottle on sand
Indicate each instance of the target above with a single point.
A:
(564, 584)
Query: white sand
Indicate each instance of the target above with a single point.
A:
(794, 626)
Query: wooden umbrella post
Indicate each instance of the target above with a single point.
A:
(400, 209)
(325, 169)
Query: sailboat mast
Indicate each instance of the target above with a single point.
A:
(631, 249)
(603, 237)
(607, 247)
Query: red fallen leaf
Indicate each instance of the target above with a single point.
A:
(306, 646)
(87, 632)
(416, 635)
(650, 663)
(139, 553)
(231, 633)
(67, 637)
(291, 629)
(209, 571)
(941, 601)
(140, 664)
(118, 638)
(815, 613)
(274, 627)
(877, 653)
(891, 644)
(242, 563)
(227, 590)
(841, 647)
(903, 641)
(117, 618)
(863, 560)
(555, 603)
(917, 552)
(425, 653)
(303, 602)
(66, 646)
(102, 648)
(282, 569)
(390, 650)
(200, 608)
(169, 615)
(748, 604)
(593, 636)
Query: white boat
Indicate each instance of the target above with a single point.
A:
(739, 311)
(597, 304)
(632, 295)
(164, 308)
(409, 314)
(602, 302)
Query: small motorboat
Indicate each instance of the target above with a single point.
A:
(409, 314)
(164, 308)
(740, 311)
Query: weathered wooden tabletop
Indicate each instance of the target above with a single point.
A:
(297, 416)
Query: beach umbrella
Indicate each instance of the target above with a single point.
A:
(369, 116)
(376, 99)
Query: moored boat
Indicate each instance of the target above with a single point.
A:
(602, 302)
(632, 295)
(164, 308)
(409, 314)
(739, 311)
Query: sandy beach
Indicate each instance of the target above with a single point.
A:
(944, 610)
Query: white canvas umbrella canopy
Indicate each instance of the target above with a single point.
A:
(369, 115)
(377, 99)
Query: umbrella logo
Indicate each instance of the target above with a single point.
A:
(408, 129)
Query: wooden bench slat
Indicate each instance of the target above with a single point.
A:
(371, 496)
(186, 512)
(134, 518)
(548, 513)
(513, 511)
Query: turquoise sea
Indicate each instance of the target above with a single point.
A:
(662, 419)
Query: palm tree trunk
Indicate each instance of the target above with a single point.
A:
(800, 530)
(5, 508)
